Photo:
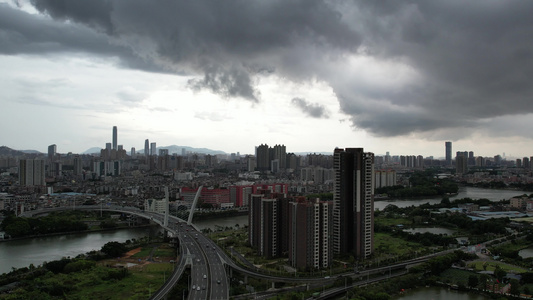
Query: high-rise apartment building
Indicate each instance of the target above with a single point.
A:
(271, 159)
(448, 146)
(353, 202)
(262, 157)
(280, 153)
(52, 149)
(266, 232)
(384, 178)
(78, 167)
(309, 234)
(461, 162)
(115, 138)
(153, 149)
(31, 172)
(132, 152)
(497, 160)
(526, 163)
(518, 163)
(480, 161)
(240, 194)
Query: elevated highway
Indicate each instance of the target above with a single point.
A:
(208, 262)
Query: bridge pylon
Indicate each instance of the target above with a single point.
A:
(193, 206)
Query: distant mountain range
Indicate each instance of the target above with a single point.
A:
(92, 150)
(6, 151)
(171, 150)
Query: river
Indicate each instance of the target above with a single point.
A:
(464, 192)
(22, 253)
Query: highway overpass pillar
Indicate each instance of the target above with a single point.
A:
(245, 279)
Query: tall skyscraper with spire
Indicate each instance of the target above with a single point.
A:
(146, 147)
(115, 138)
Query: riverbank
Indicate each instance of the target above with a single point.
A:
(21, 253)
(76, 232)
(134, 275)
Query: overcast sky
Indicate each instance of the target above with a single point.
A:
(397, 76)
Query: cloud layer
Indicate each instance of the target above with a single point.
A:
(397, 67)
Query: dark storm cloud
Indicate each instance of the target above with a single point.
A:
(226, 43)
(468, 61)
(314, 110)
(474, 61)
(23, 33)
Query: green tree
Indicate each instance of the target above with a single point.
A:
(527, 291)
(17, 227)
(473, 281)
(76, 266)
(108, 224)
(483, 279)
(515, 287)
(114, 249)
(499, 273)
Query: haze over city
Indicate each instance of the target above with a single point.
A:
(392, 76)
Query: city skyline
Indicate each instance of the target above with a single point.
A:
(153, 148)
(313, 75)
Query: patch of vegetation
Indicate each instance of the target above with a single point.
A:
(422, 183)
(84, 277)
(145, 252)
(387, 244)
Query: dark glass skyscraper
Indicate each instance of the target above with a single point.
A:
(146, 147)
(448, 146)
(52, 149)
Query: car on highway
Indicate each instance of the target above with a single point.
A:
(205, 276)
(198, 288)
(218, 281)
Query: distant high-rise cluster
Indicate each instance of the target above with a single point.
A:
(273, 159)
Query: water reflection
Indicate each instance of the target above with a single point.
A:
(464, 192)
(22, 253)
